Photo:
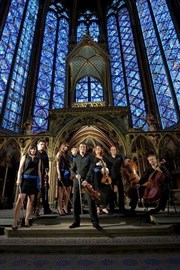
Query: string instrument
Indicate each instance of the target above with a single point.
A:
(106, 179)
(131, 177)
(46, 183)
(95, 195)
(152, 191)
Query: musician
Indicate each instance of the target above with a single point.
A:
(74, 152)
(116, 161)
(28, 180)
(130, 180)
(63, 165)
(147, 179)
(101, 179)
(81, 174)
(42, 154)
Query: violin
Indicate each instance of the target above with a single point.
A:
(95, 195)
(106, 179)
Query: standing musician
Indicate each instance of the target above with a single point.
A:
(81, 174)
(101, 179)
(116, 161)
(63, 166)
(154, 185)
(42, 154)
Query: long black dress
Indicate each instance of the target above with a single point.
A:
(102, 188)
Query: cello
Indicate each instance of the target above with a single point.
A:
(152, 190)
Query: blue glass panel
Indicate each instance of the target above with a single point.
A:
(135, 92)
(94, 31)
(8, 43)
(170, 42)
(158, 71)
(88, 24)
(43, 91)
(51, 77)
(117, 75)
(89, 89)
(13, 110)
(81, 31)
(62, 50)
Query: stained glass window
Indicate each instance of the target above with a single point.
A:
(126, 82)
(89, 89)
(51, 76)
(15, 66)
(88, 24)
(163, 51)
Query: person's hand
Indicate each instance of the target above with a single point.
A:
(84, 183)
(78, 176)
(18, 182)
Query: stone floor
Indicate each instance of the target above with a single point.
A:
(124, 243)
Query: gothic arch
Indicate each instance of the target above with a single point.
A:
(9, 162)
(169, 150)
(140, 148)
(91, 128)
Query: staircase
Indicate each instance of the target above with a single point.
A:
(119, 234)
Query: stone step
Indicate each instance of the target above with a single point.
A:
(113, 239)
(86, 230)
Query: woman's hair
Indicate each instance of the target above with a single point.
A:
(32, 146)
(102, 151)
(61, 150)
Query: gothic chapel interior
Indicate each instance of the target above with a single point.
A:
(97, 71)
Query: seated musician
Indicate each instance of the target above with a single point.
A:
(154, 182)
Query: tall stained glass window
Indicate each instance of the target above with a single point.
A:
(15, 51)
(51, 76)
(163, 52)
(88, 89)
(126, 82)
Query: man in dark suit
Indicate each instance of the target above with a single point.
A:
(41, 146)
(81, 175)
(116, 161)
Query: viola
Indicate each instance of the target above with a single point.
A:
(95, 195)
(106, 179)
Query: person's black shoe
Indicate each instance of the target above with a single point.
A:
(97, 226)
(74, 225)
(154, 211)
(49, 212)
(122, 211)
(131, 212)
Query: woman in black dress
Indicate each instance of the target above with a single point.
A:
(63, 159)
(28, 181)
